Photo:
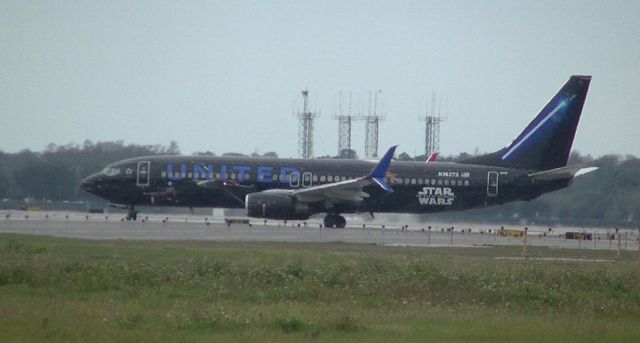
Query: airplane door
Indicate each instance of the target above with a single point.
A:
(144, 173)
(307, 180)
(294, 179)
(492, 184)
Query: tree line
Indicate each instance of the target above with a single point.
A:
(610, 195)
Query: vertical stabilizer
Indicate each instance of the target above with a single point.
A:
(546, 142)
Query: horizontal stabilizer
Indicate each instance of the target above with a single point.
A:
(562, 173)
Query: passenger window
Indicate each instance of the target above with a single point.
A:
(466, 182)
(163, 174)
(330, 178)
(413, 181)
(323, 178)
(446, 182)
(439, 182)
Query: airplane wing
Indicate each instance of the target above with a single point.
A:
(349, 190)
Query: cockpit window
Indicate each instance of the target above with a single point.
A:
(110, 171)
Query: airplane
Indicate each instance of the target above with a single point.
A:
(295, 189)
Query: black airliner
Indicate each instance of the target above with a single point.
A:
(275, 188)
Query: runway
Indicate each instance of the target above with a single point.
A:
(198, 227)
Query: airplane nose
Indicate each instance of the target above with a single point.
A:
(89, 183)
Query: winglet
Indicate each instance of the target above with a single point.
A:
(378, 172)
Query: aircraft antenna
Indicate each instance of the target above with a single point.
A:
(305, 128)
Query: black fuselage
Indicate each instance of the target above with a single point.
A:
(418, 187)
(532, 164)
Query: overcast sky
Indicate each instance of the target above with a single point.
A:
(226, 76)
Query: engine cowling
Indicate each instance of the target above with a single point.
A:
(275, 206)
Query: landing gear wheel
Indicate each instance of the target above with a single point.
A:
(335, 221)
(341, 223)
(132, 214)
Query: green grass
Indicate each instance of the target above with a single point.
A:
(54, 289)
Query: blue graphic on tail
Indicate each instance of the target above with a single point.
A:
(546, 142)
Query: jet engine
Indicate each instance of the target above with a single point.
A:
(275, 206)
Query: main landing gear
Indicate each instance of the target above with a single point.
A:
(335, 220)
(132, 214)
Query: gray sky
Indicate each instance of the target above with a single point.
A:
(226, 76)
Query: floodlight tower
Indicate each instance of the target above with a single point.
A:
(305, 128)
(372, 122)
(344, 126)
(432, 127)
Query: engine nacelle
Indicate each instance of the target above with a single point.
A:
(275, 206)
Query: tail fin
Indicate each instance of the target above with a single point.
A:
(432, 158)
(546, 142)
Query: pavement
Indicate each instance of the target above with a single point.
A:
(203, 228)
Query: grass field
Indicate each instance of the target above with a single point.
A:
(54, 289)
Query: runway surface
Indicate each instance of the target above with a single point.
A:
(195, 227)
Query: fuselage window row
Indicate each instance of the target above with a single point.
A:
(321, 179)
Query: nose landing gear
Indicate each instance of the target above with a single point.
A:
(335, 221)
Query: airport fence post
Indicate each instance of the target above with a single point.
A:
(405, 237)
(618, 238)
(595, 239)
(609, 237)
(524, 242)
(451, 236)
(638, 253)
(429, 236)
(580, 240)
(625, 241)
